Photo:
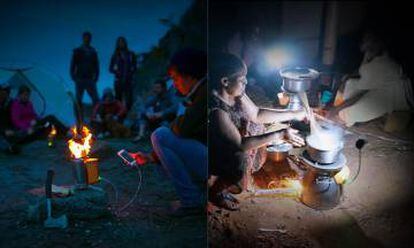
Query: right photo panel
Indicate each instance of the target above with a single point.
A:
(310, 124)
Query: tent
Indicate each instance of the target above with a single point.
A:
(49, 95)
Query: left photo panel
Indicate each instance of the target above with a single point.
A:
(103, 123)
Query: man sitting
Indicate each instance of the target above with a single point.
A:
(380, 87)
(181, 149)
(108, 115)
(159, 110)
(7, 134)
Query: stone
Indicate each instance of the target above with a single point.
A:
(83, 205)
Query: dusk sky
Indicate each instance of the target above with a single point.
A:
(44, 32)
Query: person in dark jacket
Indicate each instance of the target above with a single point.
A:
(181, 149)
(7, 134)
(84, 70)
(123, 65)
(159, 109)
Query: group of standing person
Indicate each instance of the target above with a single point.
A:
(84, 71)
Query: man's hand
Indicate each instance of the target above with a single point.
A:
(142, 158)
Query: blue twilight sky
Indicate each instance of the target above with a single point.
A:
(44, 32)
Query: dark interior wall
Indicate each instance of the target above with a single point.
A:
(227, 18)
(393, 22)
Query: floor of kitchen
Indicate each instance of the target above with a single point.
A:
(376, 210)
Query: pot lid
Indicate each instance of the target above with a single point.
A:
(336, 166)
(299, 73)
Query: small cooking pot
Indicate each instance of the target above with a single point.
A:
(323, 156)
(278, 152)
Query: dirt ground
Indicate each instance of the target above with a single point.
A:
(376, 210)
(144, 224)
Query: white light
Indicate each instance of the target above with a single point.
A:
(278, 57)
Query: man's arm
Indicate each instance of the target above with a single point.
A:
(96, 67)
(112, 65)
(73, 66)
(194, 117)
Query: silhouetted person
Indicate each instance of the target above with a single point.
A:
(123, 65)
(7, 134)
(159, 109)
(84, 70)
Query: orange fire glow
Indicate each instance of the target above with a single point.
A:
(287, 185)
(53, 131)
(342, 176)
(81, 142)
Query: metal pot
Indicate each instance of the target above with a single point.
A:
(278, 152)
(327, 156)
(297, 79)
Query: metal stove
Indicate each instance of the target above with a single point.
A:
(320, 190)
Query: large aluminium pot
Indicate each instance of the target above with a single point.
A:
(297, 79)
(325, 155)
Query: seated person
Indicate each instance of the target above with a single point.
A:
(159, 110)
(27, 123)
(108, 115)
(7, 134)
(181, 149)
(380, 87)
(237, 140)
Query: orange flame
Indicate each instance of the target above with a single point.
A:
(287, 185)
(342, 176)
(80, 146)
(53, 131)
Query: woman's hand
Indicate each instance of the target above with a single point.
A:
(292, 136)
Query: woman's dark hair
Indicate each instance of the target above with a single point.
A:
(190, 62)
(24, 89)
(224, 65)
(117, 47)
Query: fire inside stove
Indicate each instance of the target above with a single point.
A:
(81, 142)
(85, 169)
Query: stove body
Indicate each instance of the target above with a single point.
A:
(320, 190)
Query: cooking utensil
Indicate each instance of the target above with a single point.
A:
(278, 152)
(324, 156)
(297, 79)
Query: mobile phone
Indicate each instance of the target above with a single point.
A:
(128, 159)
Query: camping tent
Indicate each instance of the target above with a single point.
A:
(49, 93)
